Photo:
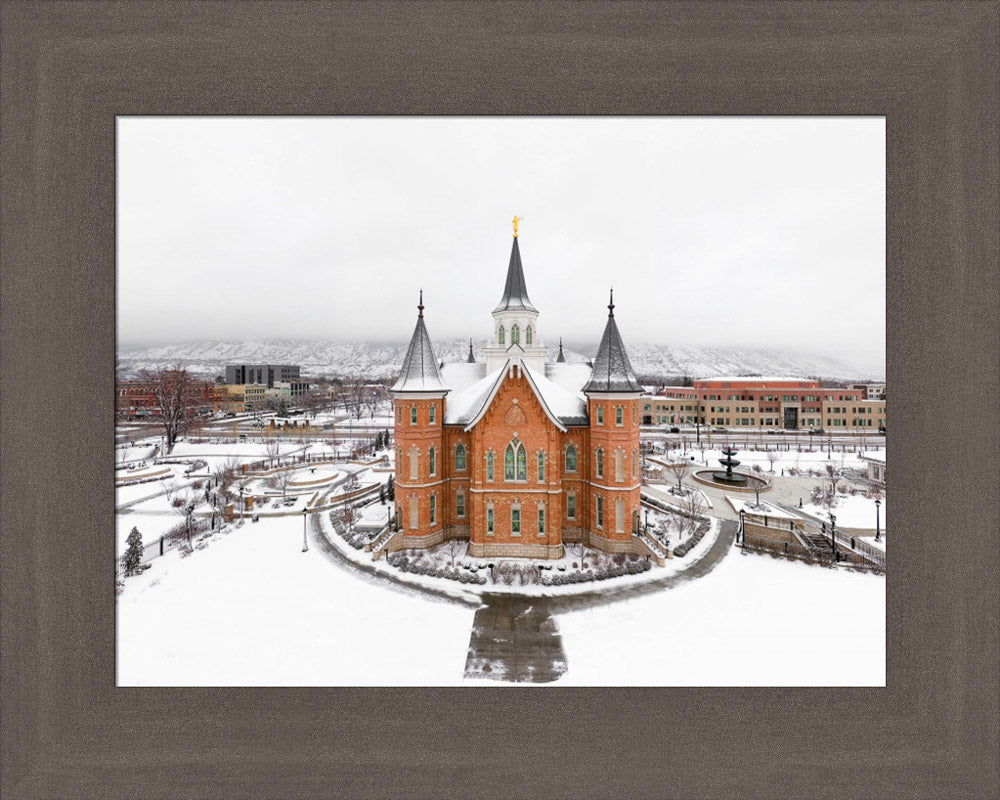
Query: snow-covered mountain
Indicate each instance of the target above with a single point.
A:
(378, 360)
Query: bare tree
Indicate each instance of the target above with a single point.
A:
(453, 547)
(693, 507)
(772, 456)
(678, 471)
(272, 447)
(280, 481)
(175, 396)
(184, 504)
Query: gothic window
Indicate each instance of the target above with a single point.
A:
(413, 415)
(460, 458)
(515, 462)
(515, 520)
(433, 508)
(515, 334)
(399, 414)
(571, 506)
(399, 459)
(432, 461)
(489, 519)
(501, 339)
(571, 459)
(433, 414)
(489, 466)
(541, 467)
(600, 415)
(619, 416)
(460, 505)
(600, 463)
(527, 336)
(600, 512)
(541, 520)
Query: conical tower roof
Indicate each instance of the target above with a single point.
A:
(560, 359)
(420, 371)
(515, 293)
(612, 371)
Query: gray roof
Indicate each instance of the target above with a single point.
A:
(515, 293)
(612, 370)
(420, 369)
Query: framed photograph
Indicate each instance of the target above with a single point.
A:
(83, 717)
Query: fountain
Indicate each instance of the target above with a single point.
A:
(728, 478)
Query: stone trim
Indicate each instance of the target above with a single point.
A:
(515, 550)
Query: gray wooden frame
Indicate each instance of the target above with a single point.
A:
(66, 70)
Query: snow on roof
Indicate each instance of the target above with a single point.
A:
(875, 455)
(757, 378)
(569, 375)
(464, 404)
(570, 407)
(612, 371)
(420, 369)
(458, 375)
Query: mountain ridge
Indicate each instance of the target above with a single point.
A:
(380, 360)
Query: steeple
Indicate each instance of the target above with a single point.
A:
(515, 293)
(612, 371)
(560, 359)
(420, 368)
(471, 359)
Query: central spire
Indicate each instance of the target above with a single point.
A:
(515, 292)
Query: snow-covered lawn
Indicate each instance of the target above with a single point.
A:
(816, 460)
(750, 622)
(851, 511)
(751, 507)
(251, 609)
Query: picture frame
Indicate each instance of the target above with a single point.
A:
(69, 69)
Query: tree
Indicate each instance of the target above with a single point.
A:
(272, 447)
(381, 494)
(694, 507)
(679, 471)
(281, 481)
(772, 456)
(184, 504)
(175, 396)
(133, 555)
(390, 488)
(453, 547)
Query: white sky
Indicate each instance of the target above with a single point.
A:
(764, 232)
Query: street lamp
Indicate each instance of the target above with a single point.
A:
(305, 542)
(878, 531)
(742, 531)
(189, 512)
(242, 489)
(833, 535)
(647, 520)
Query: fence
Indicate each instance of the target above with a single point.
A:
(798, 552)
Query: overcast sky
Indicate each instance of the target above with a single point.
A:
(764, 232)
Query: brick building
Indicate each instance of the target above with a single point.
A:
(135, 399)
(761, 402)
(516, 454)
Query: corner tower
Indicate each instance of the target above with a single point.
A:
(613, 394)
(515, 320)
(419, 405)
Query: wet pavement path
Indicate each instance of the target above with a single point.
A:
(515, 639)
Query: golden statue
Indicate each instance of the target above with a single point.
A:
(516, 220)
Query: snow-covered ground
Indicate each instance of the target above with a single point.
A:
(788, 460)
(851, 511)
(750, 622)
(251, 609)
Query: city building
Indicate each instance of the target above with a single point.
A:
(875, 467)
(261, 373)
(764, 402)
(872, 391)
(135, 399)
(514, 453)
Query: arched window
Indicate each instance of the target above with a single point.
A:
(515, 334)
(527, 336)
(571, 459)
(489, 466)
(515, 462)
(460, 458)
(432, 461)
(600, 463)
(541, 466)
(500, 335)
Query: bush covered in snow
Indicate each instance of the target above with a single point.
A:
(682, 549)
(418, 567)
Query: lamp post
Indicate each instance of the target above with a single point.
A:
(878, 531)
(305, 542)
(647, 520)
(189, 513)
(829, 447)
(242, 489)
(833, 535)
(742, 531)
